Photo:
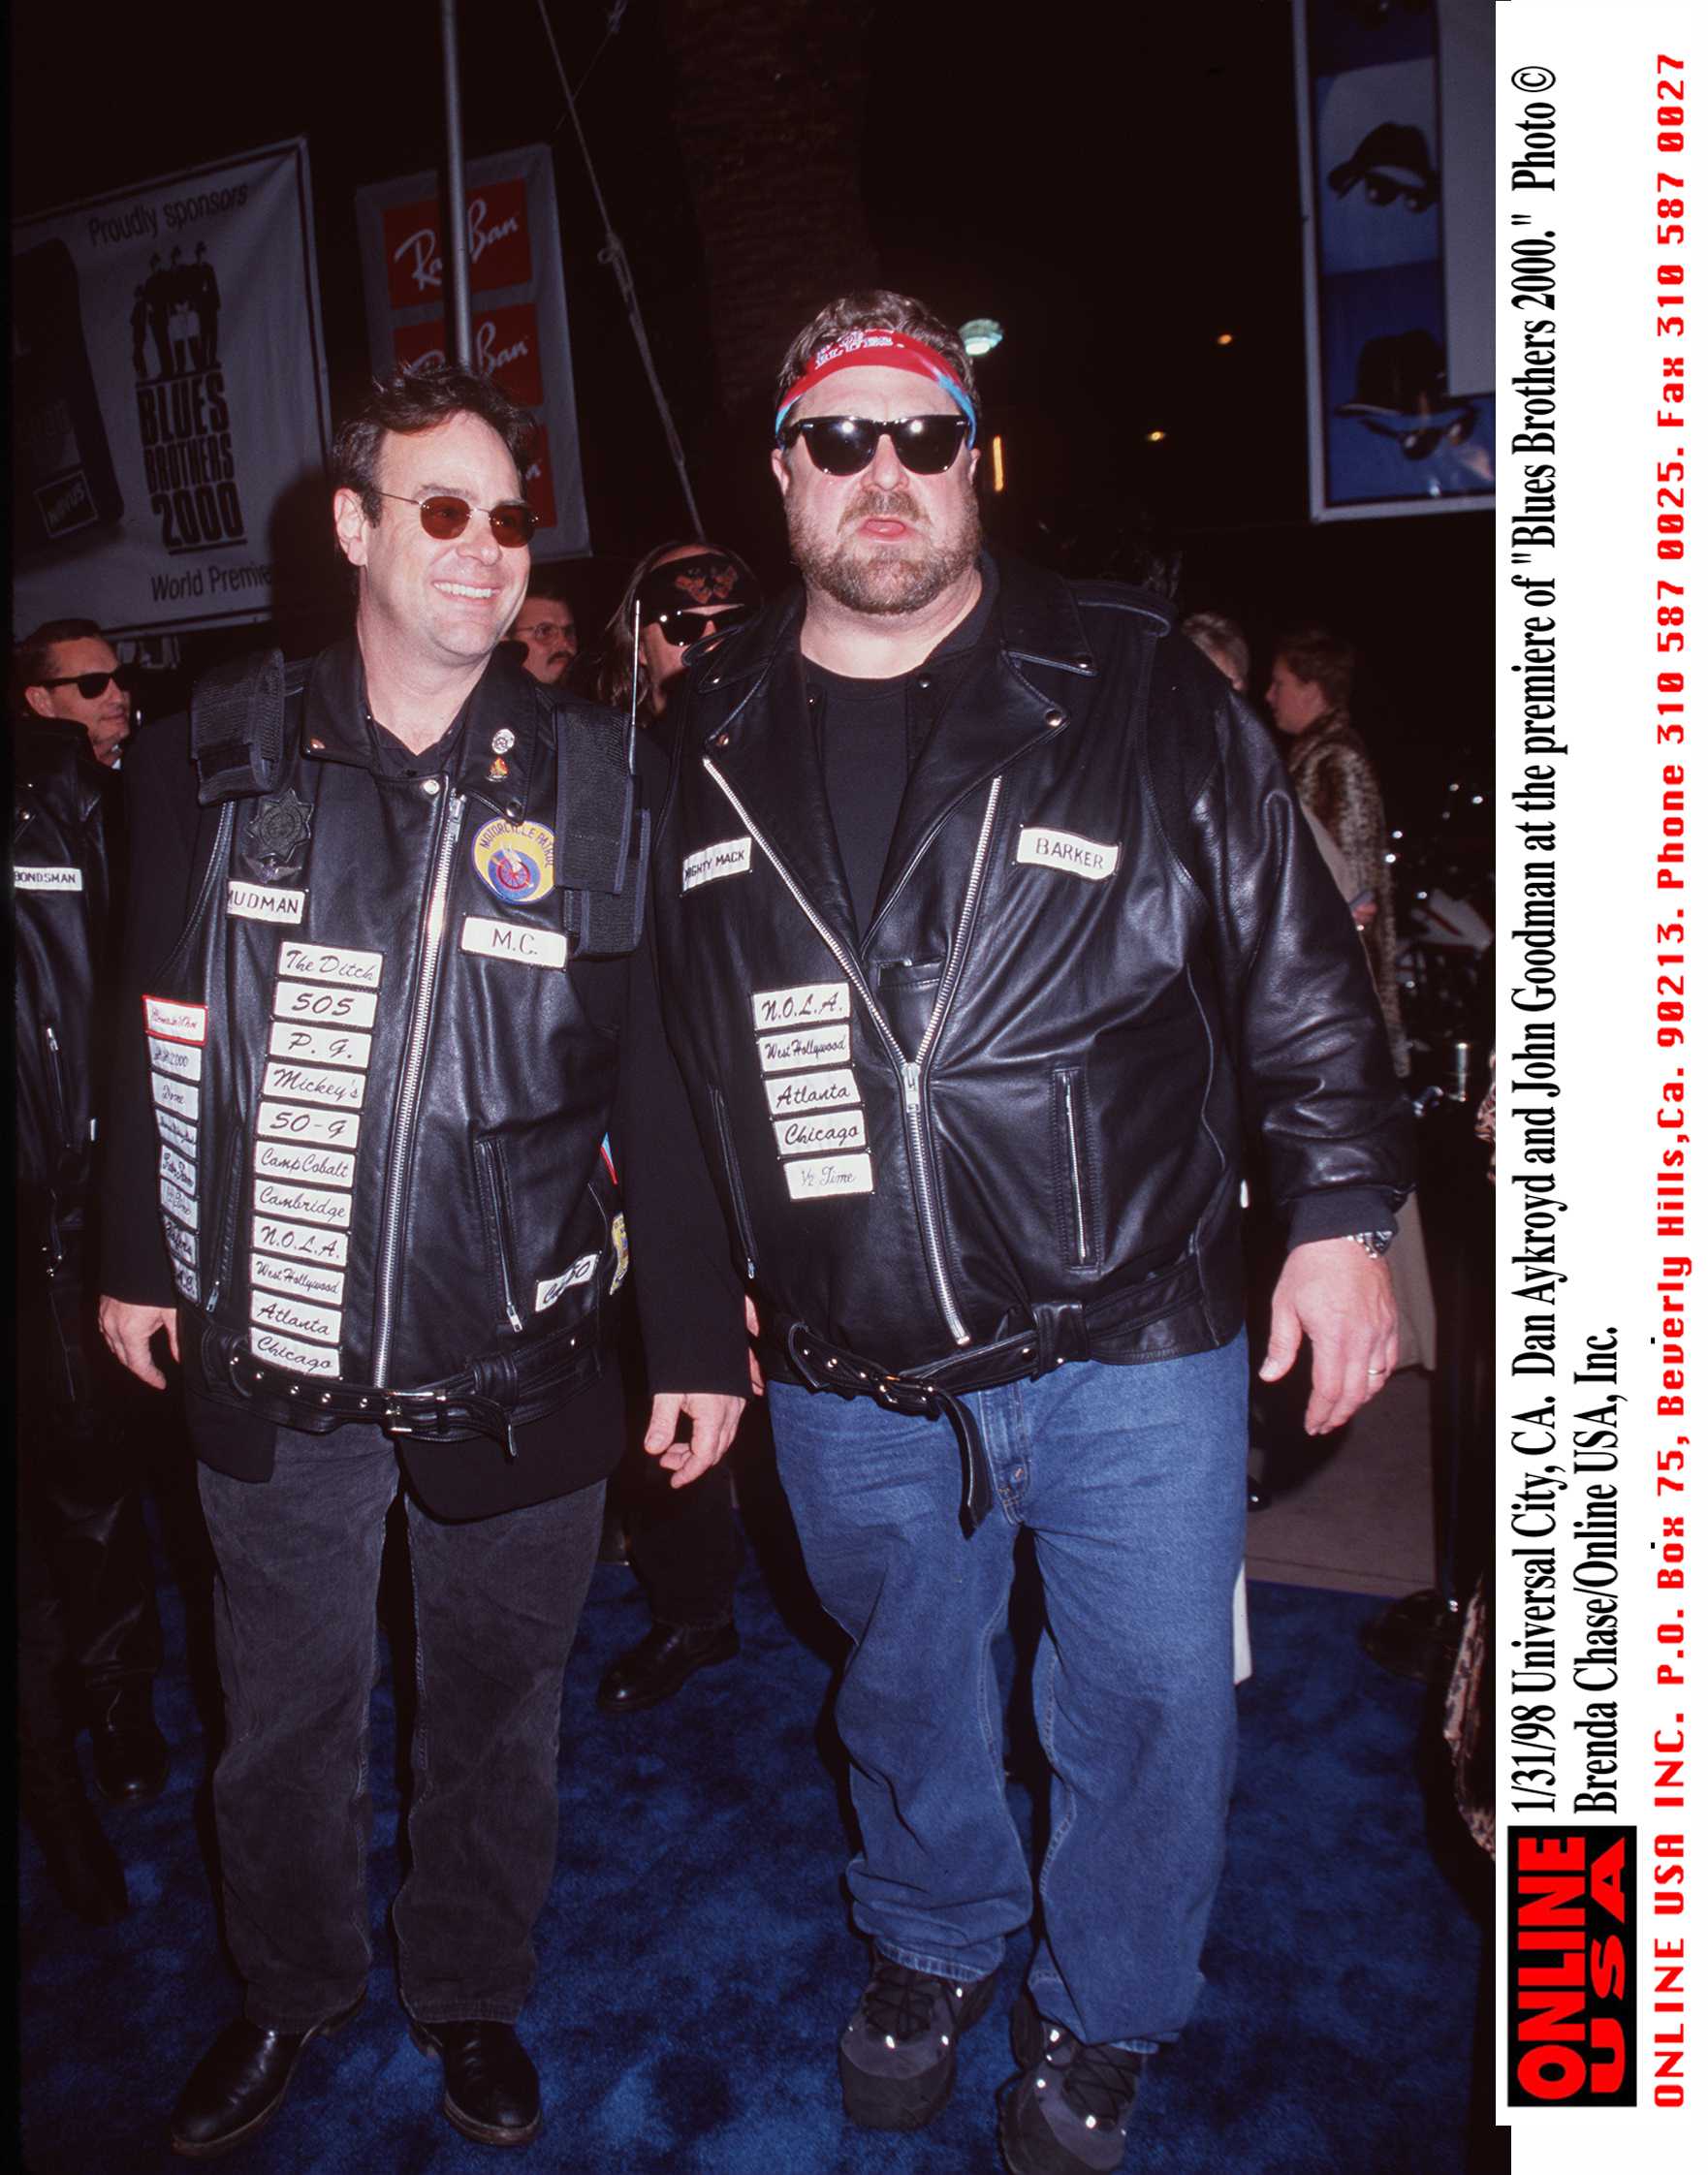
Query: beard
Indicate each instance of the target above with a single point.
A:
(886, 580)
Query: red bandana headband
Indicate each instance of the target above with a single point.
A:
(891, 351)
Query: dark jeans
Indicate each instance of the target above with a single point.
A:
(497, 1602)
(684, 1544)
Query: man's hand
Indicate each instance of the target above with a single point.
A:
(1334, 1293)
(755, 1378)
(130, 1332)
(715, 1419)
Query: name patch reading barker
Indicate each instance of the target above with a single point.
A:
(264, 902)
(1062, 849)
(806, 1006)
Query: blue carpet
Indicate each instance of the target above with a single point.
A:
(696, 1964)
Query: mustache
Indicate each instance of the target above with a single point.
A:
(882, 504)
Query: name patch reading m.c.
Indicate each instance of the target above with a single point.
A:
(264, 902)
(35, 877)
(182, 1023)
(734, 857)
(828, 1176)
(514, 940)
(1062, 849)
(812, 1046)
(806, 1006)
(328, 962)
(810, 1091)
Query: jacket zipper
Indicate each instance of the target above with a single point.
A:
(489, 1162)
(57, 1079)
(1073, 1177)
(733, 1171)
(426, 978)
(912, 1070)
(230, 1205)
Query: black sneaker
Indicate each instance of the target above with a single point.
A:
(1068, 2114)
(897, 2054)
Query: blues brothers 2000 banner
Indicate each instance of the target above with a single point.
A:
(169, 387)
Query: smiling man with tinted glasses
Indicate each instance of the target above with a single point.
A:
(364, 1182)
(75, 677)
(985, 921)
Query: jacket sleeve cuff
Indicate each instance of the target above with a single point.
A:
(1338, 1213)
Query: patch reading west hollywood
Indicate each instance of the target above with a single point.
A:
(548, 1292)
(320, 1045)
(807, 1006)
(264, 902)
(286, 1353)
(513, 859)
(811, 1091)
(314, 1004)
(309, 1166)
(1038, 848)
(182, 1059)
(330, 963)
(303, 1280)
(173, 1129)
(813, 1045)
(34, 877)
(828, 1176)
(315, 1083)
(819, 1136)
(733, 858)
(300, 1241)
(182, 1023)
(287, 1122)
(294, 1318)
(272, 1198)
(176, 1095)
(515, 940)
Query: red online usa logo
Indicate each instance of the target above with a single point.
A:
(1570, 1995)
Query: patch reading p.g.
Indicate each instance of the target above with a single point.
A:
(734, 857)
(1075, 856)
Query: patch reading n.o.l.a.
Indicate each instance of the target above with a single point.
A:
(182, 1023)
(803, 1007)
(827, 1176)
(810, 1046)
(835, 1130)
(810, 1091)
(1064, 850)
(733, 857)
(36, 876)
(300, 1241)
(514, 940)
(264, 902)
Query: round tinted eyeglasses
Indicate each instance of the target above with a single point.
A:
(92, 686)
(445, 518)
(844, 445)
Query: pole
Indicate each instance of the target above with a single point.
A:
(456, 215)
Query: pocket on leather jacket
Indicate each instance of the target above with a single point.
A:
(500, 1232)
(732, 1173)
(1078, 1213)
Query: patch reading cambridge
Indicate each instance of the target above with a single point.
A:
(1571, 1998)
(513, 859)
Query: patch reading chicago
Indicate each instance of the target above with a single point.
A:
(1038, 848)
(513, 859)
(1572, 1999)
(820, 1136)
(806, 1006)
(285, 1351)
(733, 858)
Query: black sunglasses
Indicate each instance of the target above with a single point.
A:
(445, 518)
(681, 627)
(90, 685)
(844, 445)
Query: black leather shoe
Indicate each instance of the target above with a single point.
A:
(82, 1865)
(239, 2084)
(492, 2089)
(662, 1663)
(132, 1760)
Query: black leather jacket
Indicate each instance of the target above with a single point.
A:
(61, 877)
(381, 1102)
(1103, 940)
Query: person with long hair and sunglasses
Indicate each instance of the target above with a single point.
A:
(686, 592)
(88, 1631)
(986, 924)
(397, 1098)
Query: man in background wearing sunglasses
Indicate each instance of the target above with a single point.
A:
(79, 681)
(979, 898)
(88, 1632)
(399, 1041)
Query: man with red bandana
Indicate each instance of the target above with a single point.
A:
(986, 924)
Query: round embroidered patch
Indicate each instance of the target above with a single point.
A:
(514, 860)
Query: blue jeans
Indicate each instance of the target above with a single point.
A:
(1132, 1482)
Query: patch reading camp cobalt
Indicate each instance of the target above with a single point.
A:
(1571, 2003)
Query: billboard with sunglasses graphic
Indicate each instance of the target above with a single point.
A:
(168, 389)
(518, 318)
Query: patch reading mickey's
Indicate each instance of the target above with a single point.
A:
(514, 860)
